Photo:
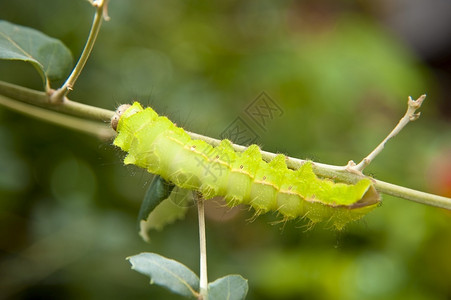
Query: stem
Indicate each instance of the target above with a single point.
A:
(93, 128)
(86, 111)
(41, 99)
(203, 249)
(58, 95)
(340, 173)
(410, 115)
(412, 195)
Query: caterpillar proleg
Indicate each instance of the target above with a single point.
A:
(155, 143)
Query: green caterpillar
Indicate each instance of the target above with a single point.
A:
(155, 143)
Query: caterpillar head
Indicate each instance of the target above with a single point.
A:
(117, 115)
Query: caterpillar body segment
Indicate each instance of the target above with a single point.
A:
(155, 143)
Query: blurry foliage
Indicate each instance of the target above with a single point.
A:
(68, 207)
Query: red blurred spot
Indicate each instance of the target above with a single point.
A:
(440, 174)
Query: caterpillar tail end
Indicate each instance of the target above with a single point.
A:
(369, 201)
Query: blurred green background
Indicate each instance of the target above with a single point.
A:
(340, 70)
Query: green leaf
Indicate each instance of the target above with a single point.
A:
(49, 56)
(165, 213)
(160, 207)
(158, 190)
(230, 287)
(168, 273)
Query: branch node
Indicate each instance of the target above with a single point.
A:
(56, 96)
(414, 117)
(351, 164)
(352, 167)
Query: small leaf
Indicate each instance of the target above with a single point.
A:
(159, 207)
(49, 56)
(165, 213)
(158, 190)
(168, 273)
(230, 287)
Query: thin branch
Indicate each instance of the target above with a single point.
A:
(412, 195)
(409, 116)
(59, 95)
(96, 129)
(84, 110)
(323, 170)
(41, 99)
(203, 287)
